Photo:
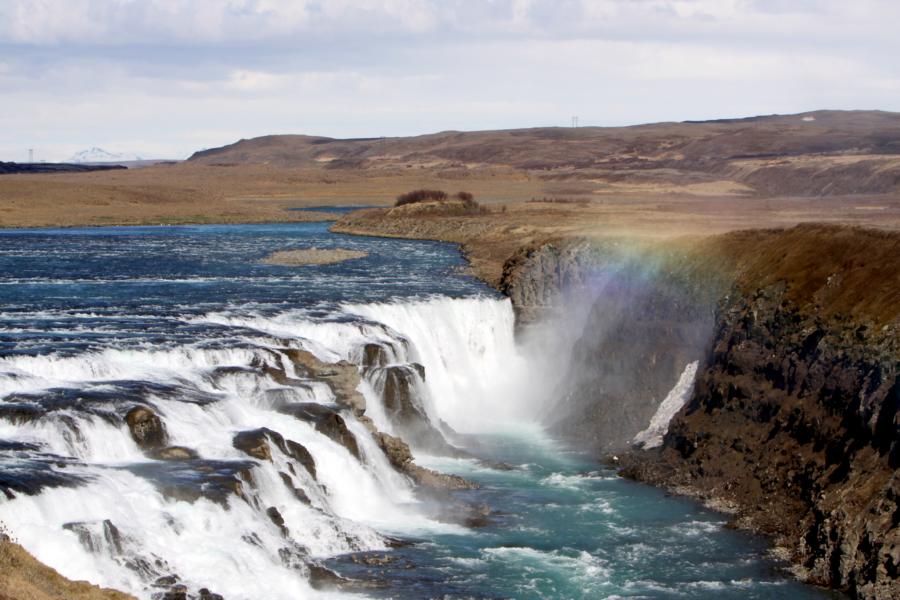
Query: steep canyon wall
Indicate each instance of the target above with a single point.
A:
(793, 420)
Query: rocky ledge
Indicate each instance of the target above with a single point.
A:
(793, 424)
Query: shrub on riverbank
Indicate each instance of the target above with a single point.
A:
(422, 195)
(438, 201)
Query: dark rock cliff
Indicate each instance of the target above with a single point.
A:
(538, 276)
(793, 423)
(638, 316)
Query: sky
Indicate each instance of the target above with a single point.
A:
(163, 78)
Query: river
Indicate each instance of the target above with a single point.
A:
(186, 321)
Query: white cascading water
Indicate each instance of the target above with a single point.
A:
(652, 436)
(475, 379)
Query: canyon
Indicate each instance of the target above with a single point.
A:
(792, 426)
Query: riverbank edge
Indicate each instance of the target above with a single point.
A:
(26, 577)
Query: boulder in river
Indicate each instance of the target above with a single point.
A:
(174, 453)
(327, 421)
(146, 428)
(374, 355)
(400, 457)
(342, 377)
(255, 442)
(94, 536)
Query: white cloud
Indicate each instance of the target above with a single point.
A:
(181, 74)
(254, 81)
(122, 22)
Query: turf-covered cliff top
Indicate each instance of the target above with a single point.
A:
(833, 270)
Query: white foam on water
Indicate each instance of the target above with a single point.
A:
(202, 542)
(573, 564)
(476, 380)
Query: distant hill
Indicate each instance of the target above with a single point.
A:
(99, 155)
(808, 154)
(8, 168)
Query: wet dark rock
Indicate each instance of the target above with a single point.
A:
(537, 275)
(398, 386)
(399, 397)
(30, 476)
(374, 355)
(276, 518)
(372, 559)
(637, 339)
(20, 413)
(400, 457)
(342, 377)
(95, 536)
(146, 428)
(322, 578)
(174, 453)
(146, 567)
(280, 377)
(795, 424)
(327, 421)
(189, 481)
(176, 592)
(396, 450)
(393, 542)
(298, 493)
(205, 594)
(14, 446)
(166, 581)
(255, 442)
(293, 556)
(300, 454)
(479, 516)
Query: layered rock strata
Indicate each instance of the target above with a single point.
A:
(793, 423)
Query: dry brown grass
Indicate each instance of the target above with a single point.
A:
(832, 271)
(492, 238)
(188, 193)
(24, 578)
(647, 171)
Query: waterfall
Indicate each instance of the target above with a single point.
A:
(477, 378)
(84, 497)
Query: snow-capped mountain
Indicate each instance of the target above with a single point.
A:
(99, 155)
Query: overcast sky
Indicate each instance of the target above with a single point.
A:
(166, 77)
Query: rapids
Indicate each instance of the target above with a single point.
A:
(185, 322)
